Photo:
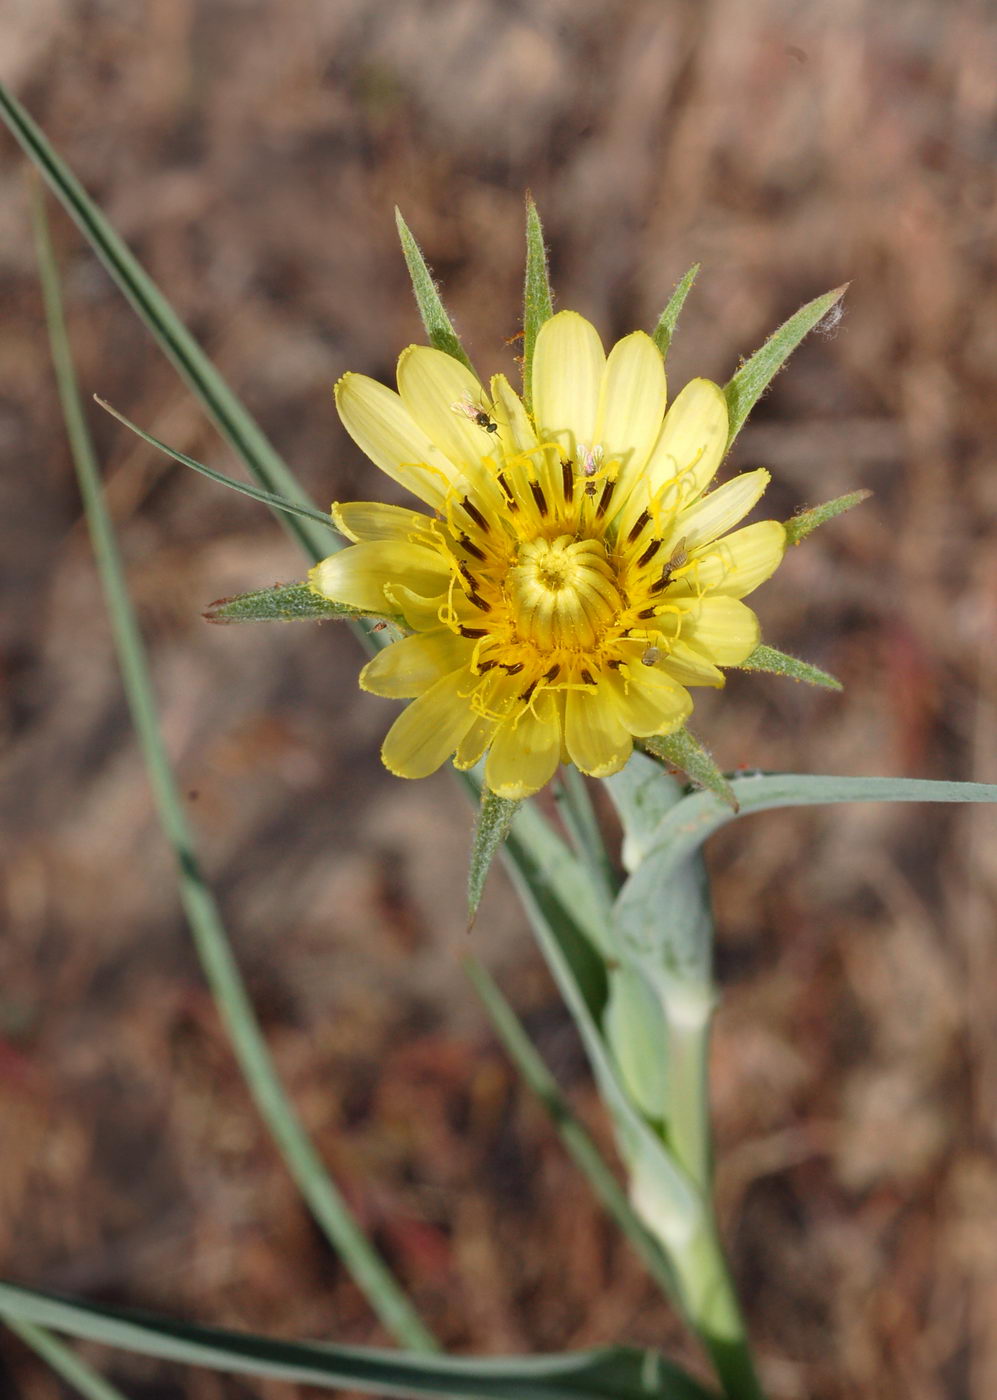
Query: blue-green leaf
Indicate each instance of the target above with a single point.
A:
(495, 816)
(804, 523)
(538, 303)
(285, 602)
(684, 751)
(612, 1373)
(777, 663)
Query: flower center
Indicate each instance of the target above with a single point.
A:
(563, 593)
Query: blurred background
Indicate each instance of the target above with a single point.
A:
(251, 152)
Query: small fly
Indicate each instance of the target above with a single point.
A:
(467, 408)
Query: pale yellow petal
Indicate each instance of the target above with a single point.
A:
(439, 391)
(384, 430)
(736, 564)
(688, 667)
(412, 665)
(568, 362)
(648, 700)
(597, 740)
(721, 628)
(357, 575)
(525, 752)
(516, 432)
(475, 741)
(428, 730)
(715, 514)
(692, 442)
(632, 405)
(372, 520)
(423, 614)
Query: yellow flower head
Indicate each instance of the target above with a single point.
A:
(575, 576)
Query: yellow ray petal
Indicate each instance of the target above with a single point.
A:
(596, 738)
(648, 700)
(428, 730)
(568, 362)
(690, 447)
(516, 432)
(385, 431)
(474, 742)
(715, 514)
(437, 390)
(525, 753)
(631, 405)
(684, 664)
(736, 564)
(412, 665)
(372, 520)
(721, 628)
(357, 575)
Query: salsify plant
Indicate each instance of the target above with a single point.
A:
(572, 575)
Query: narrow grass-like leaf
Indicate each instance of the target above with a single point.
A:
(576, 1140)
(610, 1373)
(668, 319)
(439, 327)
(232, 419)
(684, 829)
(495, 816)
(684, 751)
(803, 524)
(777, 663)
(641, 794)
(757, 373)
(285, 602)
(267, 498)
(538, 304)
(64, 1361)
(217, 960)
(574, 802)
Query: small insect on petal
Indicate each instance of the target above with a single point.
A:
(467, 408)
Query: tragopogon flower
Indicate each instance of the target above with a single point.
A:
(575, 576)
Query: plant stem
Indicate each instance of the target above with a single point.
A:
(687, 1028)
(713, 1310)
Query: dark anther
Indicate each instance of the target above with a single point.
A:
(471, 547)
(475, 514)
(587, 677)
(507, 491)
(607, 492)
(539, 497)
(528, 692)
(553, 673)
(473, 631)
(615, 664)
(512, 670)
(478, 601)
(568, 477)
(648, 612)
(649, 553)
(486, 665)
(638, 525)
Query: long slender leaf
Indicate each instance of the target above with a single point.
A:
(684, 751)
(757, 373)
(232, 419)
(266, 497)
(64, 1361)
(668, 320)
(574, 802)
(538, 304)
(684, 829)
(612, 1373)
(217, 960)
(439, 327)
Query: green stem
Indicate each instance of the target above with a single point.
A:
(712, 1308)
(220, 969)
